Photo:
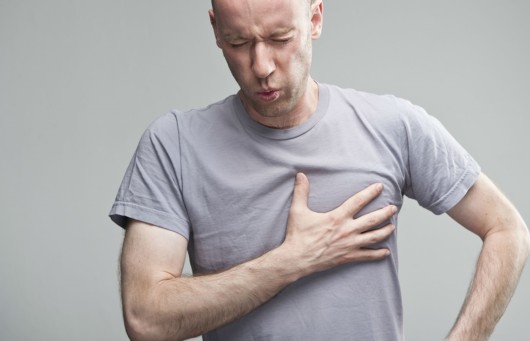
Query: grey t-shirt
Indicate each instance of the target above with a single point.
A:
(225, 182)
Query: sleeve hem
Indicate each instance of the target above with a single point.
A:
(458, 191)
(121, 211)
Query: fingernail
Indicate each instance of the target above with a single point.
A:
(379, 187)
(299, 176)
(393, 209)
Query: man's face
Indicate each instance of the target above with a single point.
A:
(268, 45)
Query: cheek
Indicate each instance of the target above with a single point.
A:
(298, 55)
(236, 64)
(297, 64)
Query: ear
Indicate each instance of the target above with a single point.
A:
(317, 19)
(211, 14)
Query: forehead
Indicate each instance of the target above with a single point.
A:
(236, 17)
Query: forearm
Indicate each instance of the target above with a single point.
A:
(499, 266)
(177, 308)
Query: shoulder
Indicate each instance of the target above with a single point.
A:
(370, 105)
(382, 113)
(172, 123)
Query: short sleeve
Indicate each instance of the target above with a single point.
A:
(440, 171)
(151, 188)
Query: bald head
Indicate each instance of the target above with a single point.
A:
(310, 2)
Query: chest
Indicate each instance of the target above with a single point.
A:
(241, 191)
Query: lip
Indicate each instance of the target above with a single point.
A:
(268, 95)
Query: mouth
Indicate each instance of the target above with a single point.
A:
(268, 95)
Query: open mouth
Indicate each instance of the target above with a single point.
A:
(268, 95)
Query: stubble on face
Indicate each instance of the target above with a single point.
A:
(293, 85)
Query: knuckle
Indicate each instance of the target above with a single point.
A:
(380, 235)
(373, 239)
(334, 218)
(372, 220)
(357, 228)
(375, 236)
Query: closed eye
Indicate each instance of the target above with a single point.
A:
(282, 40)
(239, 44)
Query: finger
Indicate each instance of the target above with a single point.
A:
(375, 236)
(356, 202)
(301, 191)
(368, 254)
(373, 219)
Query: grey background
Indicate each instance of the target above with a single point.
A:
(80, 81)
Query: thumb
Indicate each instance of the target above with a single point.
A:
(301, 191)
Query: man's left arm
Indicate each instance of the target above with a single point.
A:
(486, 212)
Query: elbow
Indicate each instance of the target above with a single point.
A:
(525, 241)
(521, 240)
(141, 327)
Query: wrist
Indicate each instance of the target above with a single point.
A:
(284, 265)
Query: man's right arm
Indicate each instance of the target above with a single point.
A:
(161, 304)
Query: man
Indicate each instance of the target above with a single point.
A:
(275, 263)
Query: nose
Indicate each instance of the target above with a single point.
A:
(262, 60)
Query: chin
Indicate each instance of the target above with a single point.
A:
(273, 110)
